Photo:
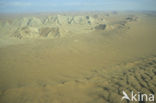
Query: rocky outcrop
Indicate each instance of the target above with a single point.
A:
(26, 32)
(67, 20)
(51, 26)
(27, 21)
(62, 25)
(32, 32)
(49, 32)
(100, 27)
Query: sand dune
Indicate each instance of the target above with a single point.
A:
(77, 58)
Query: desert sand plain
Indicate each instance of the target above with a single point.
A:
(76, 57)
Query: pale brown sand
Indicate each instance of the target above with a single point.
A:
(89, 67)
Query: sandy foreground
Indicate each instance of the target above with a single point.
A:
(77, 58)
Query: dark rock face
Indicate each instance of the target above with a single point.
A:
(101, 27)
(47, 31)
(87, 17)
(89, 22)
(17, 35)
(130, 19)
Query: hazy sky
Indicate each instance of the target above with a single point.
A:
(74, 5)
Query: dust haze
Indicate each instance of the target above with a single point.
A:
(84, 57)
